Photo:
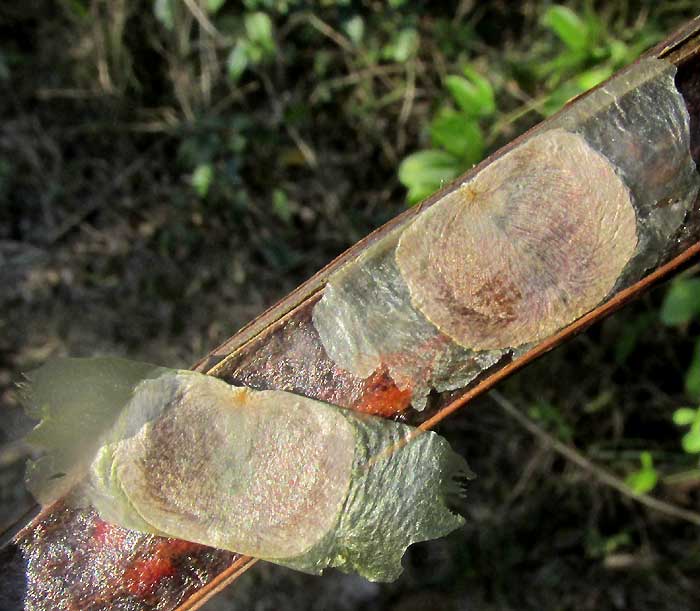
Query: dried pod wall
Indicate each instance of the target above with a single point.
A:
(522, 248)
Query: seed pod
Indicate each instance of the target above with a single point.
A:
(264, 473)
(74, 398)
(366, 323)
(639, 122)
(533, 241)
(504, 260)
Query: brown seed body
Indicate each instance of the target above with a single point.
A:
(262, 473)
(531, 243)
(265, 473)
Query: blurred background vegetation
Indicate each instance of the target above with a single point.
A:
(168, 169)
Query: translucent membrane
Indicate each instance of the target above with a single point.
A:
(536, 239)
(532, 242)
(366, 322)
(639, 122)
(264, 473)
(75, 411)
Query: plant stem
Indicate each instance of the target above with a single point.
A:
(602, 475)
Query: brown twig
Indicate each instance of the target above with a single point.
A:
(602, 475)
(320, 25)
(204, 21)
(222, 580)
(603, 310)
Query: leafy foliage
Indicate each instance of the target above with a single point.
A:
(687, 416)
(587, 53)
(457, 131)
(645, 478)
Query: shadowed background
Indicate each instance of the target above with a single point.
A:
(169, 169)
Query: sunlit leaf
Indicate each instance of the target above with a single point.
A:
(163, 11)
(691, 440)
(684, 416)
(406, 44)
(473, 99)
(483, 86)
(258, 27)
(202, 178)
(355, 29)
(644, 479)
(459, 135)
(213, 6)
(590, 78)
(620, 53)
(567, 25)
(426, 171)
(418, 192)
(237, 61)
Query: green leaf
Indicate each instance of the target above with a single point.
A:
(419, 192)
(644, 479)
(682, 302)
(429, 166)
(406, 45)
(237, 61)
(281, 206)
(458, 135)
(567, 25)
(258, 27)
(684, 416)
(202, 178)
(483, 86)
(692, 375)
(213, 6)
(646, 460)
(163, 11)
(473, 99)
(691, 441)
(620, 53)
(355, 29)
(590, 78)
(426, 171)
